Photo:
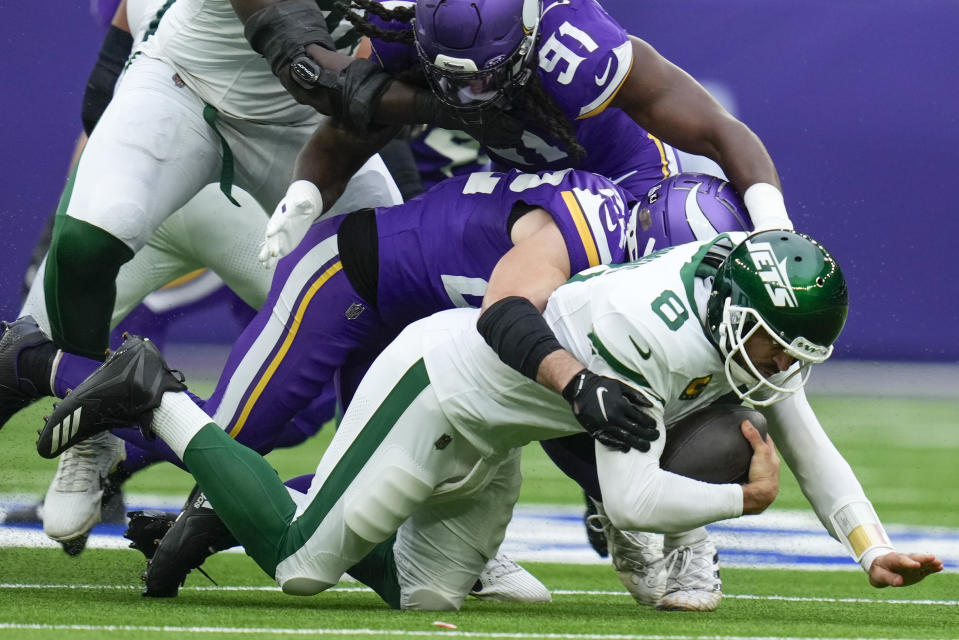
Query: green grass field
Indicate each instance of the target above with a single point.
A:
(903, 450)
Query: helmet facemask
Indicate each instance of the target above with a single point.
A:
(738, 325)
(461, 84)
(784, 284)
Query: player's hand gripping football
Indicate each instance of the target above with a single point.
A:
(611, 412)
(298, 209)
(763, 486)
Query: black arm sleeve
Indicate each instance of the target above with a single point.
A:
(518, 333)
(280, 31)
(99, 90)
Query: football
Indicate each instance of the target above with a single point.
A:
(708, 445)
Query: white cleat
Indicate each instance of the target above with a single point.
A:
(73, 502)
(692, 582)
(637, 558)
(504, 580)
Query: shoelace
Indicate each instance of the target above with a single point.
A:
(498, 567)
(635, 554)
(683, 579)
(79, 463)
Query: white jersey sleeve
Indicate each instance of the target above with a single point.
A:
(640, 323)
(826, 479)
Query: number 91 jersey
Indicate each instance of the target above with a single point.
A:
(583, 59)
(641, 323)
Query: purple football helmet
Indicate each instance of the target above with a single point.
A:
(476, 52)
(686, 207)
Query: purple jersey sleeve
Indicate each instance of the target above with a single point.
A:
(437, 251)
(442, 154)
(584, 56)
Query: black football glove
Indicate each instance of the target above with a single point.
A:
(611, 412)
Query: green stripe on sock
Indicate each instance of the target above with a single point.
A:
(378, 571)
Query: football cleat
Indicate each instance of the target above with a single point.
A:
(124, 391)
(637, 558)
(692, 582)
(504, 580)
(75, 499)
(17, 392)
(196, 534)
(595, 535)
(146, 529)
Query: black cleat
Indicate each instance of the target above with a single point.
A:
(75, 547)
(146, 529)
(112, 507)
(196, 534)
(124, 391)
(17, 392)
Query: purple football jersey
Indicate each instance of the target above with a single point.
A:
(584, 57)
(438, 250)
(442, 154)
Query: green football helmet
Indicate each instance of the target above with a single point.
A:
(784, 283)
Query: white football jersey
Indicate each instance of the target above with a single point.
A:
(641, 323)
(203, 40)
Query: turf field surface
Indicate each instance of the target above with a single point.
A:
(903, 450)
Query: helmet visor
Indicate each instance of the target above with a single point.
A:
(461, 85)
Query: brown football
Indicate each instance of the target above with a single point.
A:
(708, 445)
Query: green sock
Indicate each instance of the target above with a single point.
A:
(80, 285)
(378, 571)
(245, 491)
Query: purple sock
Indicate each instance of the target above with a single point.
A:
(138, 458)
(71, 371)
(300, 483)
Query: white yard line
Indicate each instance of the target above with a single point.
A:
(393, 632)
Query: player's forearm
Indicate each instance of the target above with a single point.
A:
(558, 369)
(637, 494)
(673, 106)
(333, 155)
(826, 479)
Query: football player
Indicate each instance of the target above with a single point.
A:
(415, 491)
(357, 280)
(586, 93)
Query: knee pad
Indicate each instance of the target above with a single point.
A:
(87, 251)
(385, 503)
(303, 586)
(423, 599)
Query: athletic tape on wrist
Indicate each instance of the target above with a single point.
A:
(766, 207)
(304, 190)
(859, 529)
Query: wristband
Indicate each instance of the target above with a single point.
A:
(766, 207)
(305, 191)
(518, 333)
(858, 528)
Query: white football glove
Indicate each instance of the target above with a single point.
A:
(297, 211)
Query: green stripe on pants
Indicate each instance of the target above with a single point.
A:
(253, 502)
(360, 451)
